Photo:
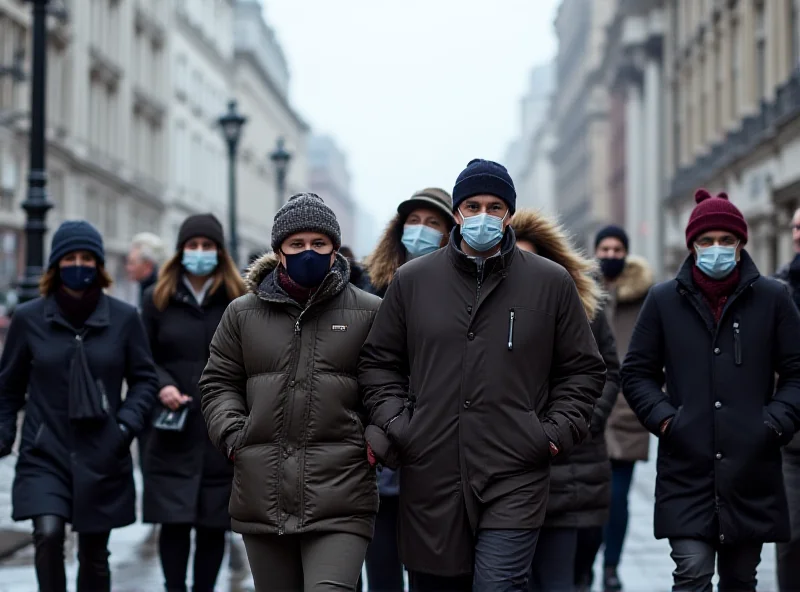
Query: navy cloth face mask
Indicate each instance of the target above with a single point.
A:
(78, 277)
(308, 268)
(612, 267)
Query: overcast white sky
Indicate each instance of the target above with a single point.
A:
(412, 90)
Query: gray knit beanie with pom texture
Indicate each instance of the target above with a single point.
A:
(305, 212)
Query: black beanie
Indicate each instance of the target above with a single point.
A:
(205, 225)
(612, 231)
(75, 235)
(485, 177)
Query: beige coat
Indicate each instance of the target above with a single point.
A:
(626, 438)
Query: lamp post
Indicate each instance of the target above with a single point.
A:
(36, 204)
(280, 158)
(231, 124)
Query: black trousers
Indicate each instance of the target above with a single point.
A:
(174, 545)
(94, 574)
(694, 566)
(384, 570)
(789, 553)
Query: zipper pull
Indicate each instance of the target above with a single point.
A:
(511, 316)
(297, 327)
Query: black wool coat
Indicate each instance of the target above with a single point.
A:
(719, 465)
(186, 479)
(81, 472)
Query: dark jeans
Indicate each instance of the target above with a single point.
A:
(694, 566)
(617, 526)
(384, 570)
(93, 572)
(789, 553)
(174, 544)
(318, 562)
(502, 564)
(589, 542)
(553, 568)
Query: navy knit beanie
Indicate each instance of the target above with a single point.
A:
(485, 177)
(75, 235)
(611, 231)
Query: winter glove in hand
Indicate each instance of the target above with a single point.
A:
(382, 448)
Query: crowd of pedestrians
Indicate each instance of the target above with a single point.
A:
(463, 410)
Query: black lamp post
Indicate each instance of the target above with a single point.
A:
(231, 124)
(280, 158)
(36, 204)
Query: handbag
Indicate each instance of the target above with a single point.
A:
(168, 420)
(88, 400)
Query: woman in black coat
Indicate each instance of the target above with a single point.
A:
(187, 482)
(70, 351)
(580, 484)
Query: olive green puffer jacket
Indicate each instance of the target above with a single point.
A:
(279, 395)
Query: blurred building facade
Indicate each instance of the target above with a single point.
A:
(329, 178)
(528, 155)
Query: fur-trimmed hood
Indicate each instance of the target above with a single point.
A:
(635, 280)
(259, 270)
(552, 242)
(388, 256)
(260, 280)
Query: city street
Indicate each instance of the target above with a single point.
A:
(646, 565)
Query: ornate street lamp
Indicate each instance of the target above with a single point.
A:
(36, 204)
(280, 158)
(231, 124)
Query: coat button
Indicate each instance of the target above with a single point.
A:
(722, 538)
(717, 405)
(469, 309)
(467, 403)
(291, 383)
(470, 335)
(719, 456)
(716, 351)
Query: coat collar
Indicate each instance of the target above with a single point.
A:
(499, 262)
(747, 269)
(99, 318)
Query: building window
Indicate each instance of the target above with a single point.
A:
(736, 65)
(794, 33)
(761, 52)
(719, 81)
(702, 111)
(676, 125)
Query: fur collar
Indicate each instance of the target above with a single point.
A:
(552, 242)
(388, 256)
(635, 281)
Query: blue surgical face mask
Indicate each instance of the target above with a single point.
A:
(78, 277)
(419, 239)
(308, 268)
(200, 263)
(482, 232)
(716, 261)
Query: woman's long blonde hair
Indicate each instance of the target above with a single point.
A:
(226, 274)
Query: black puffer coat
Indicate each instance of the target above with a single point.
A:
(719, 465)
(280, 393)
(82, 473)
(186, 478)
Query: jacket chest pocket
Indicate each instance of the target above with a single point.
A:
(527, 329)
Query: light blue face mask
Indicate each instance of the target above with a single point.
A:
(716, 261)
(482, 232)
(419, 239)
(200, 263)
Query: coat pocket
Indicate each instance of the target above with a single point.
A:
(541, 443)
(47, 445)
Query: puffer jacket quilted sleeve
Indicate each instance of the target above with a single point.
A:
(280, 396)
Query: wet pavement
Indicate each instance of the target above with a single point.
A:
(646, 565)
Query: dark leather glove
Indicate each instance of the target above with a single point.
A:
(384, 451)
(127, 437)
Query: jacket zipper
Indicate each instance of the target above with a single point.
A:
(737, 343)
(511, 315)
(480, 264)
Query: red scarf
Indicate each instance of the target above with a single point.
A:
(716, 292)
(295, 291)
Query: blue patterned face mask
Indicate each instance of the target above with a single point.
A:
(419, 239)
(482, 232)
(716, 261)
(199, 263)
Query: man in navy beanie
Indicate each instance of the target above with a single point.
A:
(480, 367)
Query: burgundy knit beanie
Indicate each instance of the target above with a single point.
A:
(714, 213)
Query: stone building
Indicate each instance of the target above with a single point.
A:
(580, 117)
(329, 177)
(732, 117)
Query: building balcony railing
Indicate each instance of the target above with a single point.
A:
(752, 131)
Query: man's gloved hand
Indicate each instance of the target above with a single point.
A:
(381, 447)
(127, 437)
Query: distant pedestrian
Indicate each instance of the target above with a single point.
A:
(480, 367)
(789, 553)
(422, 225)
(358, 276)
(700, 374)
(70, 351)
(281, 400)
(627, 279)
(580, 484)
(144, 256)
(187, 481)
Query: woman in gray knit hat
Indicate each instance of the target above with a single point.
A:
(281, 401)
